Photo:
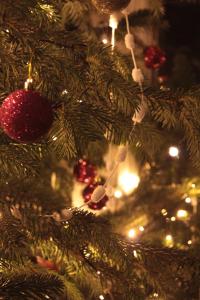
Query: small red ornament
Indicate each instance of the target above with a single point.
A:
(26, 116)
(47, 264)
(154, 57)
(87, 193)
(84, 171)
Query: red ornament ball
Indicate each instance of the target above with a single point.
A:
(87, 193)
(154, 57)
(84, 171)
(26, 116)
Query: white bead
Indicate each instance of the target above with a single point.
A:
(122, 154)
(129, 41)
(113, 22)
(66, 214)
(137, 75)
(98, 194)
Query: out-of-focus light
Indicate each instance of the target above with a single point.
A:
(113, 23)
(173, 151)
(188, 200)
(169, 241)
(164, 212)
(155, 295)
(118, 194)
(141, 228)
(128, 182)
(193, 185)
(132, 233)
(101, 297)
(135, 254)
(173, 219)
(105, 41)
(189, 242)
(98, 272)
(181, 213)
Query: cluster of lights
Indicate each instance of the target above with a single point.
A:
(133, 232)
(182, 214)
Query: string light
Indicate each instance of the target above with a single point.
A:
(188, 200)
(118, 194)
(141, 228)
(104, 40)
(174, 151)
(132, 233)
(164, 212)
(101, 297)
(173, 219)
(189, 242)
(182, 214)
(128, 181)
(169, 240)
(193, 185)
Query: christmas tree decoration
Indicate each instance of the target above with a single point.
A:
(47, 264)
(110, 6)
(87, 195)
(26, 116)
(154, 57)
(84, 171)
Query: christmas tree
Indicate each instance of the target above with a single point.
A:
(100, 153)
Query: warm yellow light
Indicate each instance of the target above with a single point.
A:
(169, 241)
(98, 272)
(181, 213)
(193, 185)
(105, 41)
(173, 151)
(131, 233)
(128, 182)
(173, 219)
(164, 212)
(118, 194)
(141, 228)
(101, 297)
(188, 200)
(189, 242)
(169, 238)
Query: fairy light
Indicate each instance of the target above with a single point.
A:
(193, 185)
(98, 272)
(131, 233)
(118, 194)
(141, 228)
(174, 151)
(188, 200)
(164, 212)
(101, 297)
(173, 219)
(169, 240)
(182, 214)
(189, 242)
(128, 181)
(104, 40)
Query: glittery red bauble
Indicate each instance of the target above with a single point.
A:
(26, 116)
(87, 193)
(154, 57)
(84, 171)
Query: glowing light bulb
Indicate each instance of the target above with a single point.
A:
(188, 200)
(101, 297)
(169, 240)
(174, 151)
(181, 213)
(105, 41)
(131, 233)
(118, 194)
(164, 212)
(128, 181)
(189, 242)
(173, 219)
(141, 228)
